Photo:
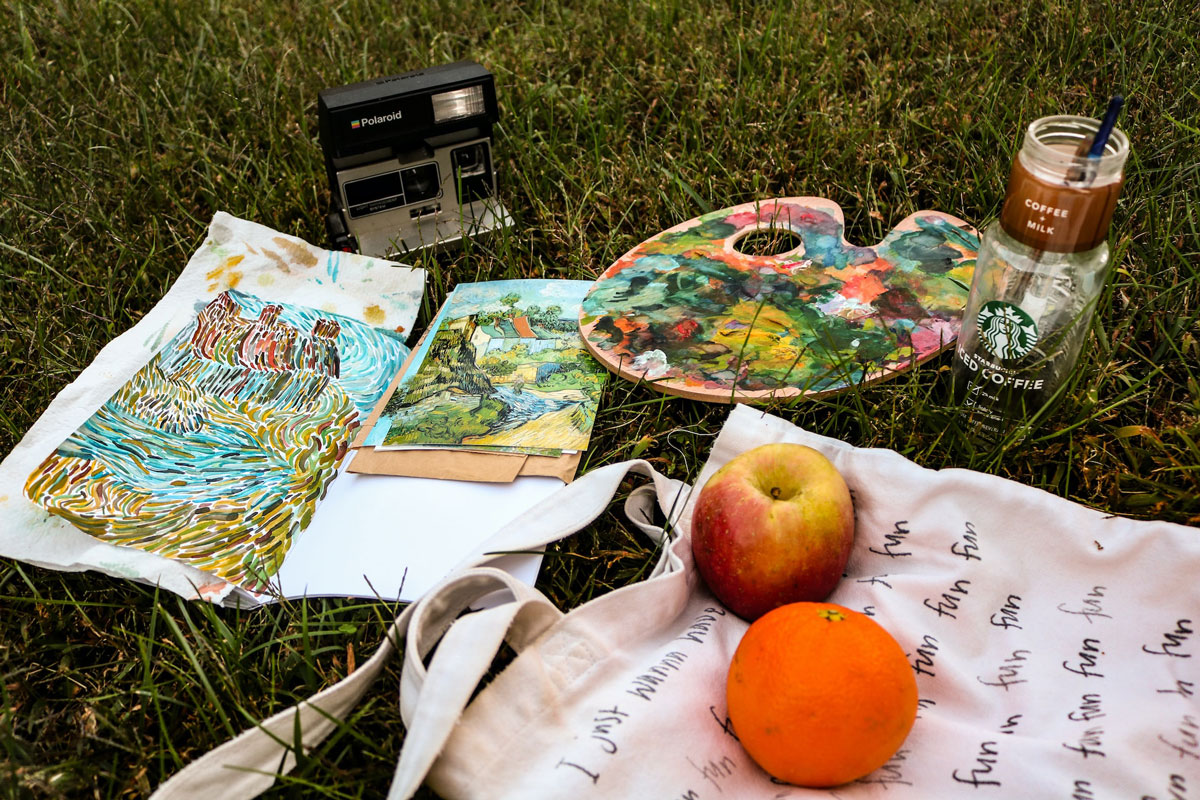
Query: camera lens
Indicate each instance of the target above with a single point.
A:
(420, 183)
(470, 160)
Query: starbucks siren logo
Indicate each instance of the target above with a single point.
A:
(1007, 331)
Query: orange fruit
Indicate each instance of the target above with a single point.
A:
(820, 695)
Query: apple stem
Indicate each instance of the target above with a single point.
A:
(775, 492)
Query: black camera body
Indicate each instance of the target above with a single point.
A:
(409, 159)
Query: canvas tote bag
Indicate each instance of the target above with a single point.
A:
(1054, 647)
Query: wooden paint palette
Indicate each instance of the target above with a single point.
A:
(690, 313)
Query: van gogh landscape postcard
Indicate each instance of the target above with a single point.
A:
(502, 369)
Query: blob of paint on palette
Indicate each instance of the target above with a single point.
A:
(695, 312)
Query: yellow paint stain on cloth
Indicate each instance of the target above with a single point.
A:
(374, 314)
(225, 276)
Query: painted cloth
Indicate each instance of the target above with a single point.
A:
(195, 448)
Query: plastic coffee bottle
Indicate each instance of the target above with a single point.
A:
(1039, 272)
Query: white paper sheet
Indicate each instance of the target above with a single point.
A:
(378, 535)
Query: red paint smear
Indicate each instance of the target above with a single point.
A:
(926, 340)
(685, 329)
(742, 219)
(863, 288)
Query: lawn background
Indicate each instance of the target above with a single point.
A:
(125, 125)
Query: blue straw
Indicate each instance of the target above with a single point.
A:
(1106, 126)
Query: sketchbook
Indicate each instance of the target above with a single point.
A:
(500, 386)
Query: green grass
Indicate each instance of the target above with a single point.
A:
(126, 125)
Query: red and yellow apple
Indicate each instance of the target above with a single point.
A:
(773, 526)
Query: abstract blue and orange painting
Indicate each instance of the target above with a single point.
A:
(217, 451)
(691, 314)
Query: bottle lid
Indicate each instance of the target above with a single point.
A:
(1060, 199)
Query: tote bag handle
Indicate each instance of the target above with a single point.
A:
(432, 701)
(248, 764)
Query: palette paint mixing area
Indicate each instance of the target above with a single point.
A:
(693, 315)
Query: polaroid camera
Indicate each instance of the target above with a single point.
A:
(410, 160)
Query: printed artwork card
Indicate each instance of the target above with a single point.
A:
(502, 369)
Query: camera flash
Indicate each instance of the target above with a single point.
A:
(458, 104)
